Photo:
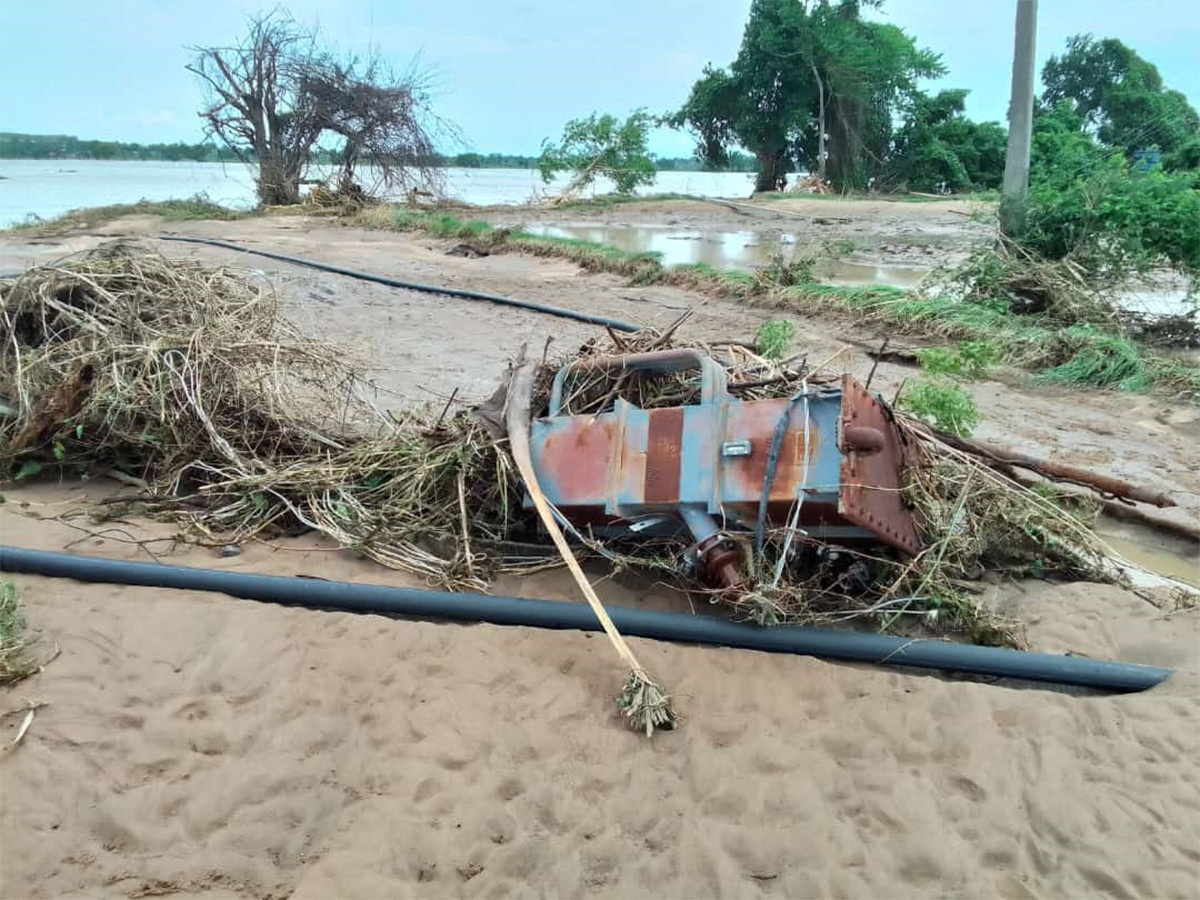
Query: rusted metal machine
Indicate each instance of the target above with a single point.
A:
(639, 473)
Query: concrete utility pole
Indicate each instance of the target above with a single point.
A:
(1020, 121)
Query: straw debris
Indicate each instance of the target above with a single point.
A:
(187, 380)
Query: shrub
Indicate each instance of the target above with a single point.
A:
(942, 403)
(773, 338)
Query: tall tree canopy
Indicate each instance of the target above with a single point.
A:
(938, 147)
(1119, 96)
(808, 68)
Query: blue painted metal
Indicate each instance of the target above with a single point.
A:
(613, 469)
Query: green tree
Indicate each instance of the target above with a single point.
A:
(1119, 96)
(938, 146)
(813, 84)
(601, 146)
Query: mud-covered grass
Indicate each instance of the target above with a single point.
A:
(1078, 354)
(1075, 354)
(16, 661)
(191, 209)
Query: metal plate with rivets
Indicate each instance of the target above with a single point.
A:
(872, 470)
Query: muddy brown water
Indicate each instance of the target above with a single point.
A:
(731, 250)
(748, 249)
(1153, 550)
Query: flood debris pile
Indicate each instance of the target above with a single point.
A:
(1061, 292)
(186, 382)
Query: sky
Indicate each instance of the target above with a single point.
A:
(509, 72)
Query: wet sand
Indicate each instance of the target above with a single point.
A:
(195, 745)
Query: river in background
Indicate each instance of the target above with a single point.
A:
(47, 188)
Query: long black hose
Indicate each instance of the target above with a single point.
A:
(615, 324)
(366, 598)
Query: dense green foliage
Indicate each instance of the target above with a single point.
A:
(1114, 220)
(1095, 195)
(602, 146)
(810, 68)
(1119, 96)
(939, 148)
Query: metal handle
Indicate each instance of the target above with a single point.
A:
(712, 376)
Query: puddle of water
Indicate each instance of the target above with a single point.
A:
(727, 250)
(1163, 554)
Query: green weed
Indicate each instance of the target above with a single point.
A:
(942, 403)
(970, 359)
(774, 337)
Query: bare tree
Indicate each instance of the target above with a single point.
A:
(273, 96)
(384, 122)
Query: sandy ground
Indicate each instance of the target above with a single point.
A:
(195, 745)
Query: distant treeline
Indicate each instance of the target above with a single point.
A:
(738, 162)
(61, 146)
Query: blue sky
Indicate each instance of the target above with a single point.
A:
(510, 73)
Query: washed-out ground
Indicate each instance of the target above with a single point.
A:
(195, 745)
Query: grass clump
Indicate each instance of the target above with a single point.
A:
(1081, 354)
(941, 403)
(15, 660)
(194, 208)
(773, 338)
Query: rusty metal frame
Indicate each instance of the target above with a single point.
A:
(873, 468)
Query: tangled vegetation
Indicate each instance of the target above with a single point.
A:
(186, 381)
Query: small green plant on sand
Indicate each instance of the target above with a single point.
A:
(970, 359)
(939, 399)
(942, 403)
(15, 662)
(773, 338)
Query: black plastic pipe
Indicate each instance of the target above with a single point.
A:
(667, 626)
(615, 324)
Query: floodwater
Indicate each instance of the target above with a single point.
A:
(47, 188)
(730, 250)
(1163, 554)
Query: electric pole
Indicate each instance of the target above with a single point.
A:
(1020, 121)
